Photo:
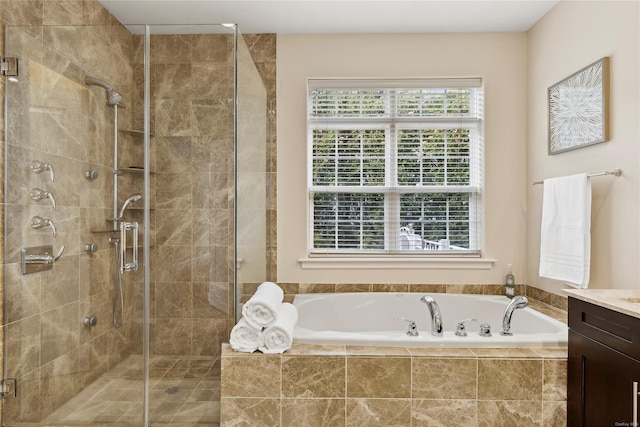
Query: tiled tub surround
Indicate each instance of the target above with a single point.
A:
(367, 386)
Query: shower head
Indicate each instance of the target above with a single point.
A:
(131, 199)
(113, 97)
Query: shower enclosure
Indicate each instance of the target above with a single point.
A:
(108, 131)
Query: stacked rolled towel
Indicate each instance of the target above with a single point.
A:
(267, 323)
(279, 337)
(262, 308)
(245, 337)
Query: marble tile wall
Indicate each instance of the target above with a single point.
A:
(53, 117)
(191, 88)
(192, 124)
(367, 386)
(553, 301)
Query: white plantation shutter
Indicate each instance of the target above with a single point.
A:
(395, 166)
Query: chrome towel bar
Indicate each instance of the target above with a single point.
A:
(615, 172)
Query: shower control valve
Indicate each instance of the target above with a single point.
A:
(38, 194)
(38, 258)
(37, 222)
(39, 167)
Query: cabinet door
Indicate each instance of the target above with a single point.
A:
(600, 384)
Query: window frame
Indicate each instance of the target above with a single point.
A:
(391, 189)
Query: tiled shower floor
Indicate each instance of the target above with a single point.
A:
(185, 391)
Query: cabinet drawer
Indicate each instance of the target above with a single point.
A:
(611, 328)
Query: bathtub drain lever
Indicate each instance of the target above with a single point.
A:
(413, 329)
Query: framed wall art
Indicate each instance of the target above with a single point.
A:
(579, 108)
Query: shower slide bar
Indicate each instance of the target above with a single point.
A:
(615, 172)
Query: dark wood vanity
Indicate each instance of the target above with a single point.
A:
(604, 361)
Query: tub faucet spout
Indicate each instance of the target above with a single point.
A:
(517, 302)
(436, 316)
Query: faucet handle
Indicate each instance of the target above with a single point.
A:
(39, 167)
(37, 194)
(37, 222)
(485, 330)
(413, 329)
(460, 329)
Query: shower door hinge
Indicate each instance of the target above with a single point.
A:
(8, 66)
(8, 388)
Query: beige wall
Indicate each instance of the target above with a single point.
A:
(500, 59)
(571, 36)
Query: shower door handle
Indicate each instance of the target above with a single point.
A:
(124, 228)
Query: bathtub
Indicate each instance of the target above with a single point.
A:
(372, 319)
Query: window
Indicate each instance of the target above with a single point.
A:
(395, 166)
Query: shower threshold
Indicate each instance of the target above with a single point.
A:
(184, 391)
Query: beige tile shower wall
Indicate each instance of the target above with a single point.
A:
(344, 386)
(192, 123)
(53, 117)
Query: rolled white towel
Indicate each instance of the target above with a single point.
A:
(245, 337)
(262, 308)
(279, 337)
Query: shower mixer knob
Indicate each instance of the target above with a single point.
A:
(39, 167)
(37, 222)
(38, 194)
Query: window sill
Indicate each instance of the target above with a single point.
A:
(419, 263)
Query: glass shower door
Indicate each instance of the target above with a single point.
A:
(67, 154)
(72, 365)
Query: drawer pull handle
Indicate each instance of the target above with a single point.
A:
(635, 403)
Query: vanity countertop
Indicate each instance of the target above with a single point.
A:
(625, 301)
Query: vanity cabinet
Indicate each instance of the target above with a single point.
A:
(604, 363)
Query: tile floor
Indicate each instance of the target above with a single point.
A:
(185, 391)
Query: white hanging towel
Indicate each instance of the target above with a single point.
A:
(279, 337)
(565, 234)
